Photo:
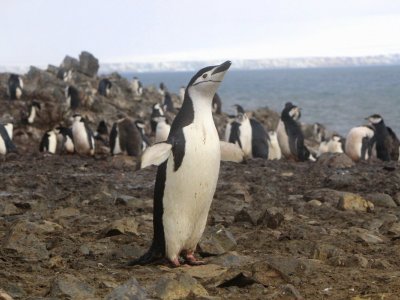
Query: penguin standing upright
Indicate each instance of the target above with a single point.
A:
(274, 151)
(101, 133)
(125, 137)
(217, 104)
(73, 98)
(68, 140)
(187, 174)
(290, 136)
(6, 144)
(162, 129)
(359, 142)
(15, 86)
(136, 86)
(241, 131)
(104, 88)
(162, 89)
(83, 136)
(33, 110)
(49, 142)
(168, 105)
(231, 119)
(156, 112)
(259, 140)
(141, 127)
(382, 138)
(395, 151)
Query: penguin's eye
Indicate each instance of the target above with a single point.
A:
(205, 76)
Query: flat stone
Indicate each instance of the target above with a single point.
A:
(129, 290)
(68, 286)
(4, 295)
(231, 259)
(364, 235)
(217, 240)
(325, 251)
(324, 195)
(66, 212)
(178, 288)
(350, 201)
(335, 160)
(314, 203)
(205, 271)
(382, 200)
(122, 226)
(8, 209)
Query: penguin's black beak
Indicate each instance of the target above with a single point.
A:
(222, 68)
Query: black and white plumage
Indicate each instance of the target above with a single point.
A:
(72, 96)
(15, 86)
(290, 136)
(162, 89)
(68, 140)
(140, 125)
(101, 133)
(136, 86)
(162, 129)
(385, 140)
(259, 139)
(156, 112)
(125, 138)
(82, 136)
(168, 105)
(241, 131)
(49, 142)
(335, 144)
(217, 104)
(104, 88)
(33, 110)
(395, 149)
(6, 143)
(187, 174)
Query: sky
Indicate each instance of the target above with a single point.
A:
(41, 32)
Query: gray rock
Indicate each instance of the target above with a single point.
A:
(325, 251)
(8, 209)
(122, 226)
(394, 229)
(396, 198)
(130, 290)
(178, 288)
(380, 199)
(272, 218)
(248, 215)
(22, 239)
(88, 64)
(216, 241)
(68, 286)
(231, 259)
(364, 235)
(335, 160)
(340, 180)
(290, 290)
(70, 63)
(324, 195)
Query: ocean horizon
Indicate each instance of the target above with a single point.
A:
(339, 98)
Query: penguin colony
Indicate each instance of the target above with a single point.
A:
(180, 139)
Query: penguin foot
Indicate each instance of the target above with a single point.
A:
(191, 260)
(175, 263)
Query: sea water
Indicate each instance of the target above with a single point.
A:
(339, 98)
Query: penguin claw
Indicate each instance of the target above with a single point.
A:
(191, 260)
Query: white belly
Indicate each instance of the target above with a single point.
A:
(162, 132)
(81, 140)
(69, 145)
(3, 149)
(274, 149)
(189, 191)
(283, 139)
(52, 143)
(245, 137)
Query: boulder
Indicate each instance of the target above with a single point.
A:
(129, 290)
(67, 286)
(381, 199)
(350, 201)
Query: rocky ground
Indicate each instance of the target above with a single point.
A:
(277, 229)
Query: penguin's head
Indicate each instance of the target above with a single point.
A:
(206, 81)
(374, 119)
(239, 109)
(36, 104)
(241, 117)
(292, 111)
(139, 124)
(157, 110)
(77, 118)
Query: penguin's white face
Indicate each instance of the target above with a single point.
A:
(375, 119)
(77, 118)
(207, 80)
(295, 113)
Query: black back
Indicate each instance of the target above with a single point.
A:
(130, 138)
(65, 131)
(7, 141)
(234, 136)
(145, 139)
(104, 84)
(259, 140)
(394, 151)
(13, 84)
(75, 99)
(113, 137)
(102, 127)
(217, 104)
(44, 143)
(295, 135)
(167, 104)
(383, 141)
(155, 113)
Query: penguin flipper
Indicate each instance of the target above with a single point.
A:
(155, 155)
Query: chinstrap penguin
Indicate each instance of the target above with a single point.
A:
(156, 112)
(49, 142)
(6, 143)
(72, 96)
(168, 105)
(15, 86)
(359, 143)
(82, 136)
(187, 174)
(104, 88)
(162, 129)
(141, 127)
(68, 140)
(136, 86)
(241, 131)
(101, 133)
(30, 116)
(382, 139)
(125, 138)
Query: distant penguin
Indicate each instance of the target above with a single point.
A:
(335, 144)
(141, 127)
(274, 151)
(101, 133)
(259, 140)
(162, 89)
(33, 109)
(9, 128)
(156, 112)
(359, 142)
(162, 129)
(231, 119)
(83, 136)
(73, 98)
(15, 86)
(241, 131)
(104, 88)
(6, 144)
(382, 138)
(136, 86)
(64, 75)
(168, 105)
(187, 175)
(217, 104)
(49, 142)
(182, 94)
(319, 132)
(290, 136)
(395, 151)
(125, 138)
(68, 140)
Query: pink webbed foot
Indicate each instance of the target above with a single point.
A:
(191, 260)
(175, 262)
